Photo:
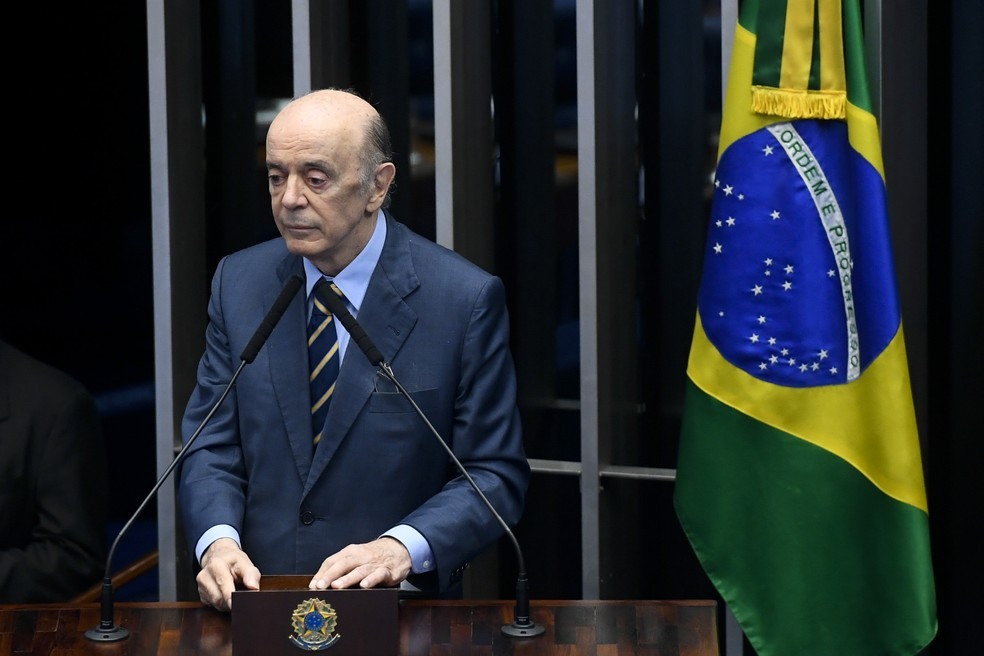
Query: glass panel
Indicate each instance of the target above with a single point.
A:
(534, 96)
(680, 115)
(549, 535)
(421, 58)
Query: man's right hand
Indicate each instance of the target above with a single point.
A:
(224, 565)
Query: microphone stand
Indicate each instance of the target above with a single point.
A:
(107, 630)
(521, 625)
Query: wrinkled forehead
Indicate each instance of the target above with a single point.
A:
(325, 128)
(291, 138)
(335, 115)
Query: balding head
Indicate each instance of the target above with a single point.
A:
(347, 113)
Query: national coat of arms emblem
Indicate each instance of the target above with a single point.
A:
(314, 622)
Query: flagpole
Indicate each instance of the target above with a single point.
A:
(733, 635)
(729, 21)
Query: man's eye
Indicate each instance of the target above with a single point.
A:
(317, 180)
(275, 179)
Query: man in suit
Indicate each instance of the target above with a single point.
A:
(372, 498)
(53, 484)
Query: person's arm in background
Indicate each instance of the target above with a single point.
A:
(53, 485)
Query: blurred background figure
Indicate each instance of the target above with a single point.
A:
(53, 487)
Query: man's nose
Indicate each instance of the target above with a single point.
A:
(294, 192)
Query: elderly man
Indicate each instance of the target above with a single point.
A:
(345, 481)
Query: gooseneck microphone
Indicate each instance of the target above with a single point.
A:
(521, 626)
(107, 630)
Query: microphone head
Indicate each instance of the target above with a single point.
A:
(277, 310)
(336, 306)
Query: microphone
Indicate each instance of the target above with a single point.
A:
(107, 630)
(521, 626)
(334, 303)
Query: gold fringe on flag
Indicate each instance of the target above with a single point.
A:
(799, 103)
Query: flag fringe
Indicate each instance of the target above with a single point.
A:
(799, 103)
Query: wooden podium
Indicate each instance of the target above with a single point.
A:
(285, 618)
(622, 628)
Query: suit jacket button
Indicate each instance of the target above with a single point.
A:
(307, 517)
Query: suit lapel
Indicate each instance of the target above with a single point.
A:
(287, 357)
(388, 320)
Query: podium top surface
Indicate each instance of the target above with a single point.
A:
(623, 627)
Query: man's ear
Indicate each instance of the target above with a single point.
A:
(381, 181)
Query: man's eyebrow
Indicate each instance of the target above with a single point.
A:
(318, 164)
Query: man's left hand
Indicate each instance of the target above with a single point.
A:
(383, 562)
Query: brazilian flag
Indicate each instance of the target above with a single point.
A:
(800, 482)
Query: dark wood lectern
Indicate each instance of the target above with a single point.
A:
(602, 628)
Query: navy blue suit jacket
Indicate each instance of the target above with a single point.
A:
(442, 324)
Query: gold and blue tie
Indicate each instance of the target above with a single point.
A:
(324, 358)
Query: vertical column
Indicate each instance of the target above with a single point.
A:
(733, 635)
(178, 229)
(301, 45)
(608, 217)
(587, 171)
(464, 156)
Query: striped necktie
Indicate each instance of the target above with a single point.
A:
(323, 358)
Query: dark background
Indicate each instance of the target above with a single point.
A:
(75, 250)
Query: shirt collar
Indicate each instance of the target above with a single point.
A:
(353, 280)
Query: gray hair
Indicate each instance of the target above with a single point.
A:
(375, 151)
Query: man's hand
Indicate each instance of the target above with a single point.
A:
(224, 565)
(382, 562)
